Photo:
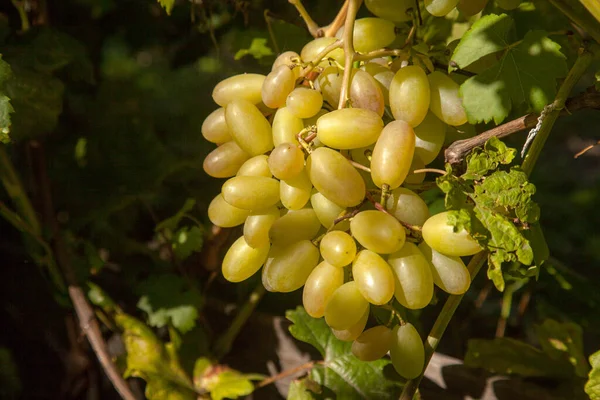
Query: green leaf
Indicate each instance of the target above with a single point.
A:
(343, 373)
(221, 381)
(99, 298)
(172, 222)
(162, 389)
(563, 342)
(592, 386)
(258, 49)
(481, 161)
(187, 241)
(167, 5)
(299, 390)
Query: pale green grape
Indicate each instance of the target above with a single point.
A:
(249, 128)
(345, 307)
(277, 85)
(258, 224)
(407, 206)
(365, 92)
(285, 127)
(274, 252)
(373, 276)
(214, 128)
(440, 236)
(295, 192)
(430, 135)
(312, 49)
(242, 261)
(286, 58)
(349, 128)
(224, 214)
(225, 160)
(407, 351)
(440, 8)
(378, 231)
(329, 83)
(373, 344)
(471, 7)
(242, 86)
(445, 102)
(304, 102)
(508, 4)
(393, 154)
(350, 334)
(338, 248)
(333, 175)
(409, 95)
(286, 161)
(412, 178)
(290, 267)
(394, 10)
(449, 272)
(251, 192)
(313, 120)
(256, 166)
(372, 34)
(327, 211)
(320, 285)
(383, 76)
(414, 281)
(295, 226)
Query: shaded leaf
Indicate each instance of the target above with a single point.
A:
(299, 390)
(258, 49)
(6, 107)
(10, 383)
(172, 222)
(167, 5)
(563, 341)
(592, 386)
(221, 381)
(187, 241)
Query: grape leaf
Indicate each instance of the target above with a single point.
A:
(342, 372)
(483, 160)
(221, 381)
(592, 386)
(563, 342)
(299, 390)
(167, 5)
(187, 240)
(258, 49)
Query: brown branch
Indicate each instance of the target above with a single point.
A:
(331, 29)
(286, 373)
(582, 152)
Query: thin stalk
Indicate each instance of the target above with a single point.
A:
(20, 6)
(349, 53)
(336, 24)
(312, 26)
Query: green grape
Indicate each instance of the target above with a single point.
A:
(295, 226)
(249, 128)
(445, 102)
(378, 231)
(256, 166)
(242, 261)
(312, 49)
(214, 128)
(407, 351)
(333, 175)
(373, 344)
(338, 248)
(286, 161)
(225, 160)
(277, 85)
(304, 102)
(372, 34)
(327, 211)
(251, 192)
(373, 277)
(258, 224)
(407, 206)
(242, 86)
(349, 128)
(285, 127)
(440, 236)
(471, 7)
(393, 154)
(365, 92)
(286, 58)
(412, 178)
(508, 4)
(224, 214)
(295, 192)
(345, 307)
(394, 10)
(320, 285)
(290, 267)
(350, 334)
(449, 272)
(409, 95)
(329, 83)
(430, 135)
(414, 281)
(313, 120)
(440, 8)
(275, 251)
(383, 76)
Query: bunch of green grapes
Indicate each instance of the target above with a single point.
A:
(310, 218)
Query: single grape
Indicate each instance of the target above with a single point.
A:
(285, 127)
(407, 206)
(430, 136)
(286, 161)
(258, 224)
(345, 307)
(242, 86)
(440, 8)
(349, 128)
(393, 10)
(256, 166)
(365, 92)
(319, 287)
(445, 102)
(372, 34)
(304, 102)
(373, 344)
(329, 83)
(224, 214)
(338, 248)
(410, 95)
(383, 76)
(471, 7)
(350, 334)
(312, 49)
(242, 261)
(449, 272)
(249, 128)
(313, 120)
(295, 192)
(277, 85)
(407, 351)
(327, 211)
(440, 236)
(286, 58)
(374, 277)
(295, 226)
(393, 154)
(290, 267)
(412, 178)
(251, 192)
(508, 4)
(214, 128)
(225, 160)
(378, 231)
(414, 281)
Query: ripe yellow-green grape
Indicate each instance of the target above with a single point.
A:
(373, 276)
(383, 76)
(319, 287)
(225, 160)
(285, 127)
(410, 95)
(313, 120)
(440, 8)
(371, 34)
(329, 83)
(349, 128)
(214, 128)
(333, 175)
(365, 92)
(224, 214)
(256, 166)
(412, 272)
(471, 7)
(258, 224)
(275, 251)
(251, 192)
(440, 236)
(412, 178)
(295, 192)
(286, 58)
(508, 4)
(449, 272)
(394, 10)
(373, 344)
(378, 231)
(242, 86)
(393, 154)
(445, 102)
(407, 206)
(407, 351)
(327, 211)
(304, 102)
(350, 334)
(430, 136)
(277, 85)
(345, 307)
(338, 248)
(248, 127)
(290, 267)
(242, 261)
(286, 161)
(312, 49)
(295, 226)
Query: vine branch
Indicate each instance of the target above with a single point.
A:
(349, 53)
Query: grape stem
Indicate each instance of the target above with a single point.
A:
(335, 45)
(312, 26)
(331, 29)
(380, 53)
(349, 53)
(434, 170)
(360, 166)
(288, 372)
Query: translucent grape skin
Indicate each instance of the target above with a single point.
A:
(345, 307)
(224, 214)
(248, 126)
(251, 192)
(407, 351)
(471, 7)
(295, 226)
(225, 160)
(285, 127)
(329, 83)
(393, 154)
(383, 76)
(257, 226)
(440, 8)
(214, 128)
(373, 344)
(256, 166)
(430, 136)
(349, 128)
(366, 93)
(377, 231)
(295, 192)
(407, 206)
(393, 10)
(372, 34)
(242, 86)
(311, 50)
(290, 267)
(327, 211)
(338, 248)
(350, 334)
(445, 102)
(319, 287)
(440, 236)
(286, 58)
(304, 102)
(242, 261)
(414, 281)
(410, 95)
(449, 272)
(277, 86)
(374, 277)
(286, 161)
